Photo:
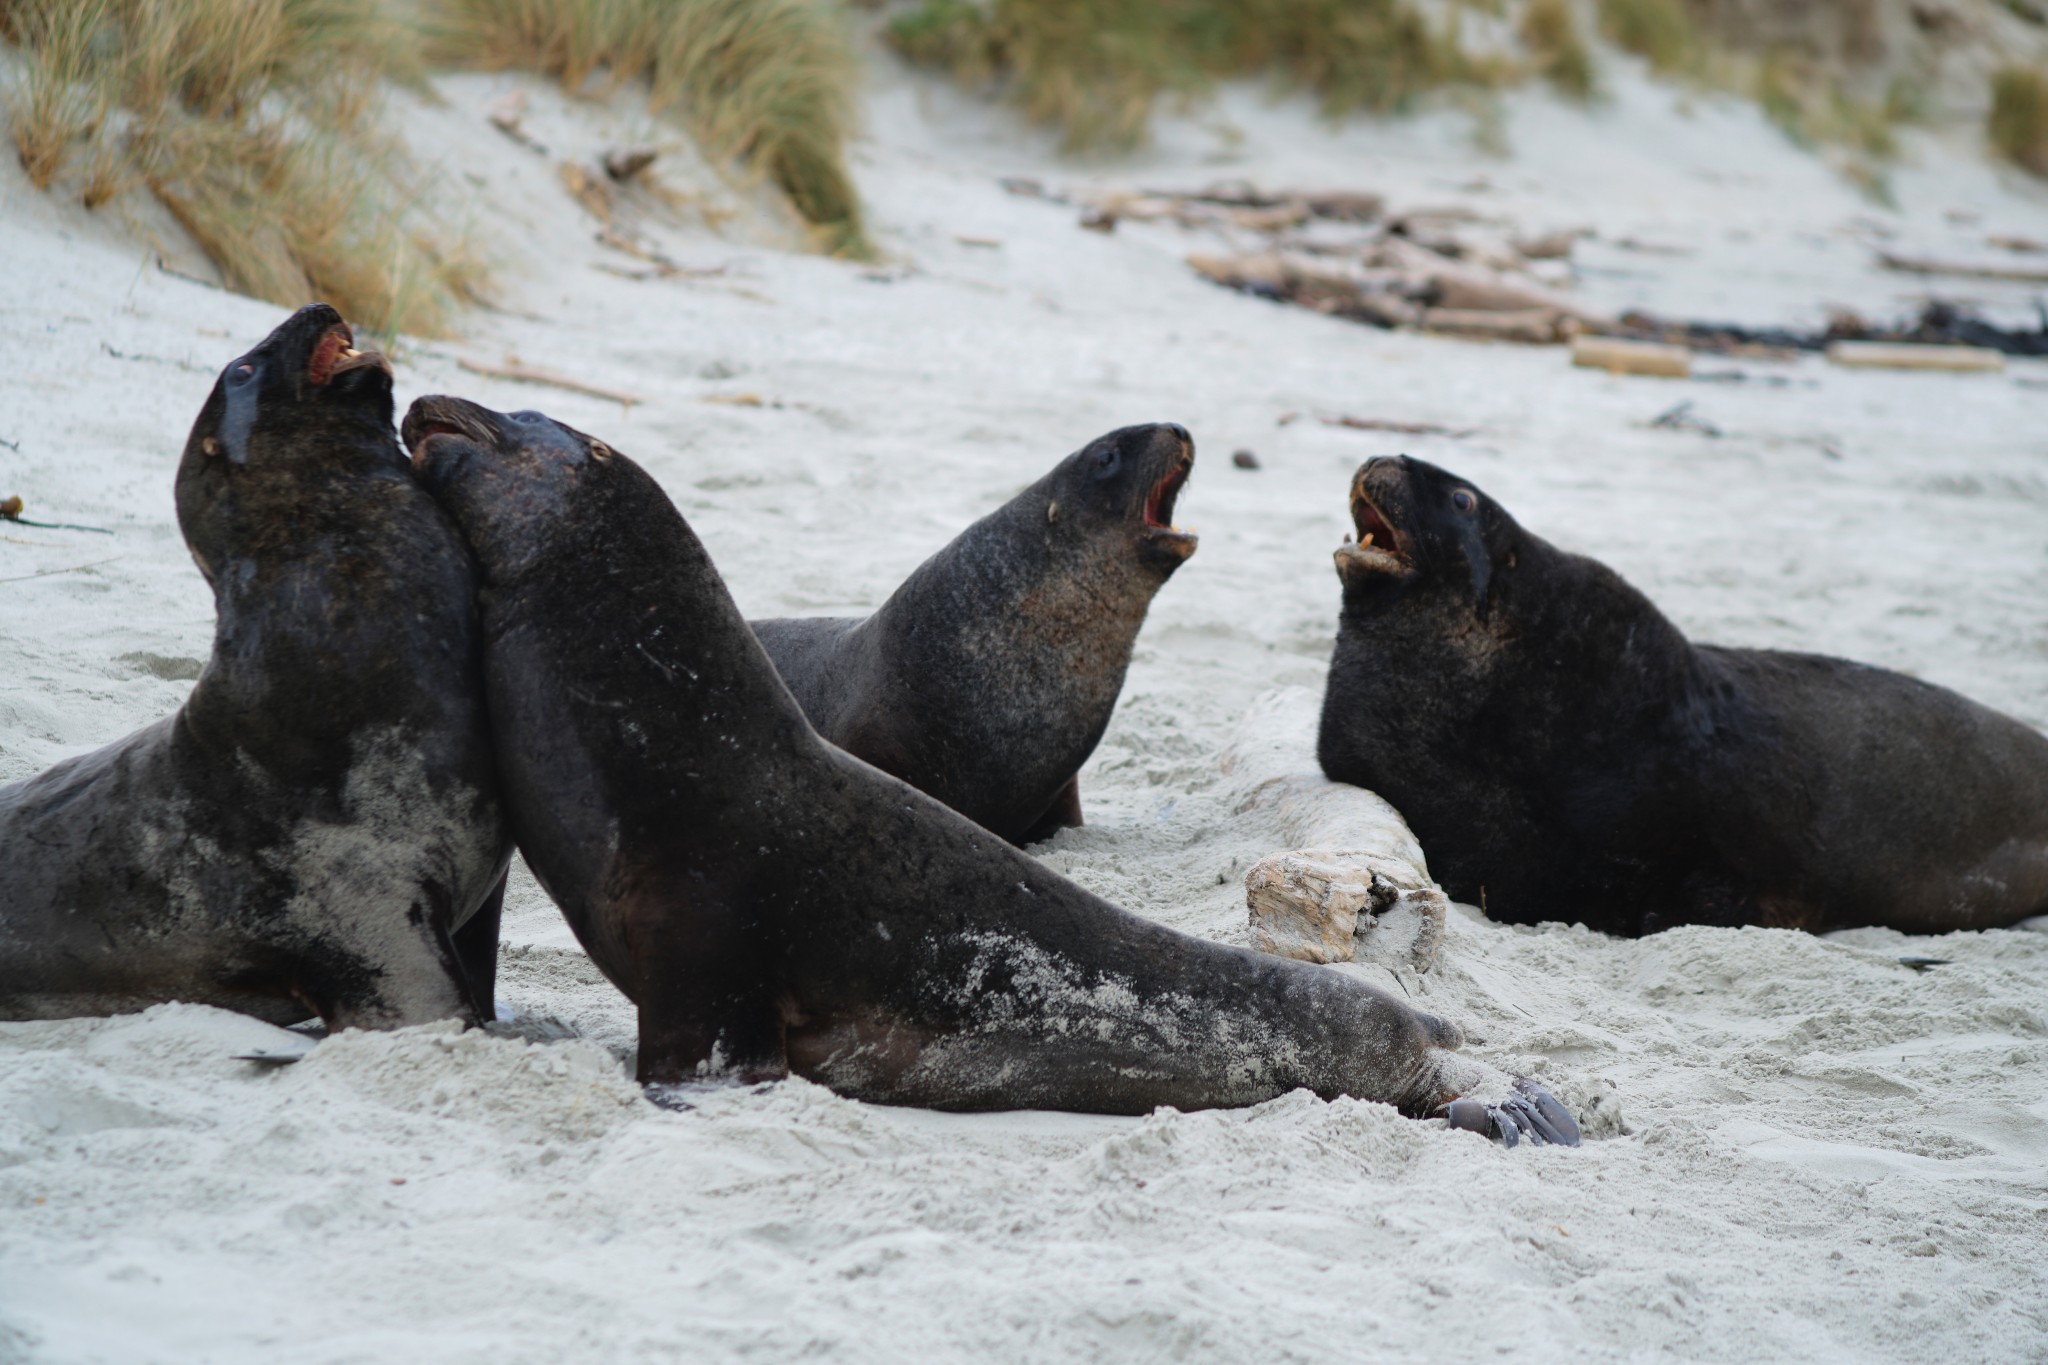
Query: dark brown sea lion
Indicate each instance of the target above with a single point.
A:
(988, 678)
(316, 831)
(1564, 753)
(773, 904)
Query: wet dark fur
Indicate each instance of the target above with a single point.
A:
(1564, 753)
(987, 679)
(310, 830)
(773, 904)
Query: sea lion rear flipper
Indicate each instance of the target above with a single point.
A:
(1531, 1112)
(476, 949)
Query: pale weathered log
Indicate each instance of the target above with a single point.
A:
(1355, 886)
(1536, 326)
(1617, 356)
(1899, 355)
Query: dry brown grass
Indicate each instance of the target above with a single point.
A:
(2018, 125)
(767, 82)
(1550, 31)
(251, 121)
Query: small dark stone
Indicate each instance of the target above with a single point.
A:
(1244, 459)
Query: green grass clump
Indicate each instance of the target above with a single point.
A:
(1658, 30)
(767, 82)
(2019, 117)
(1550, 30)
(1097, 69)
(250, 121)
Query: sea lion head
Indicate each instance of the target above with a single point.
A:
(303, 402)
(510, 479)
(1124, 485)
(1423, 531)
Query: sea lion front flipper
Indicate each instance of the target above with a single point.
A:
(708, 1011)
(1063, 813)
(476, 948)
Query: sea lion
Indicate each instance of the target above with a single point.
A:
(773, 904)
(1564, 753)
(316, 831)
(988, 678)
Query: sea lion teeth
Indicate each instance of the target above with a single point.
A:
(1364, 541)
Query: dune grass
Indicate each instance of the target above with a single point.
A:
(2018, 124)
(250, 121)
(767, 82)
(1660, 31)
(1550, 31)
(1097, 69)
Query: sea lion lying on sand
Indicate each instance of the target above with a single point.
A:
(988, 678)
(773, 904)
(1564, 753)
(316, 831)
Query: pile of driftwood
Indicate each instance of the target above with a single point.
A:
(1449, 270)
(1437, 270)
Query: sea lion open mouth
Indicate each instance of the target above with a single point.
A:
(439, 416)
(1159, 502)
(1379, 548)
(335, 353)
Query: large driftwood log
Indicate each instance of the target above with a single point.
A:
(1355, 886)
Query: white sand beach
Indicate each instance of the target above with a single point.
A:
(1798, 1149)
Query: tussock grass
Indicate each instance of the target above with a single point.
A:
(2018, 124)
(1658, 30)
(768, 82)
(1550, 31)
(1097, 69)
(250, 120)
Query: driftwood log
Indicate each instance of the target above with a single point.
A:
(1355, 886)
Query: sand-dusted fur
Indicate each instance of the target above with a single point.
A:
(1564, 753)
(773, 904)
(987, 679)
(316, 831)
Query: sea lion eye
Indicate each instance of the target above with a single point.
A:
(1463, 500)
(1107, 461)
(241, 374)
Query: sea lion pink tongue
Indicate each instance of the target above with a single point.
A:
(987, 679)
(1564, 753)
(316, 831)
(773, 904)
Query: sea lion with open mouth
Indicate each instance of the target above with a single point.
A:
(316, 831)
(1564, 753)
(773, 904)
(987, 679)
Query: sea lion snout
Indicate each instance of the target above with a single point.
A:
(1378, 510)
(335, 353)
